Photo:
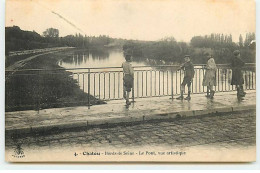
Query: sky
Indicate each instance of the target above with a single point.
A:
(134, 19)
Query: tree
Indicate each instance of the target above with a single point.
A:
(230, 38)
(222, 38)
(241, 41)
(197, 41)
(51, 32)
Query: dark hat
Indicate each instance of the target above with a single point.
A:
(207, 54)
(128, 52)
(187, 56)
(236, 52)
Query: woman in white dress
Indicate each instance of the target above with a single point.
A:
(209, 79)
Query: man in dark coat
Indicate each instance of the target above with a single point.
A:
(188, 76)
(237, 76)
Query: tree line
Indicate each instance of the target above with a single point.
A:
(169, 50)
(17, 39)
(166, 49)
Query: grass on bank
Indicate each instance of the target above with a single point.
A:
(27, 90)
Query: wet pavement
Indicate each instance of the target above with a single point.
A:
(117, 112)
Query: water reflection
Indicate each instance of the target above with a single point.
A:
(82, 58)
(107, 58)
(152, 61)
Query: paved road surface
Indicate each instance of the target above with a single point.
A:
(226, 130)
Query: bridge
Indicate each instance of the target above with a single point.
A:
(152, 100)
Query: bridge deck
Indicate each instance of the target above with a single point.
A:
(116, 112)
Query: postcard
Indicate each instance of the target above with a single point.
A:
(130, 81)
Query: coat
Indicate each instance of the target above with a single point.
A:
(237, 76)
(188, 69)
(210, 74)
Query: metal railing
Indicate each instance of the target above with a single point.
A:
(107, 83)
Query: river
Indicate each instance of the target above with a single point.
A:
(106, 83)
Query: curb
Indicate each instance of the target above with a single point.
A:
(128, 119)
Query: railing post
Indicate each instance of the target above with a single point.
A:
(38, 101)
(180, 82)
(176, 82)
(114, 85)
(159, 81)
(249, 79)
(137, 84)
(146, 83)
(133, 89)
(83, 79)
(218, 78)
(172, 82)
(118, 84)
(104, 85)
(202, 79)
(89, 88)
(151, 83)
(109, 85)
(155, 83)
(94, 87)
(99, 85)
(142, 83)
(199, 80)
(253, 80)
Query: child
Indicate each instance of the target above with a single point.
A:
(188, 76)
(209, 79)
(128, 75)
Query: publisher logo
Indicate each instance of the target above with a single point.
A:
(18, 152)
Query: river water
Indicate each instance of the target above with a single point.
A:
(107, 83)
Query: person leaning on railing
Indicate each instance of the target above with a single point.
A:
(128, 75)
(237, 76)
(188, 76)
(209, 79)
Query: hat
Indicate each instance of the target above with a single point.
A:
(187, 56)
(207, 54)
(128, 52)
(236, 52)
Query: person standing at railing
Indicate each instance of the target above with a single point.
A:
(128, 75)
(237, 76)
(209, 79)
(188, 76)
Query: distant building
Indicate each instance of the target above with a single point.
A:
(252, 44)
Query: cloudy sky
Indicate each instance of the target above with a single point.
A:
(134, 19)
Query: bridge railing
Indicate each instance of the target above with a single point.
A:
(53, 87)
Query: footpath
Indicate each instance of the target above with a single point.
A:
(14, 67)
(115, 112)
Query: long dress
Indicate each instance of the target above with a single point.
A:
(210, 74)
(237, 76)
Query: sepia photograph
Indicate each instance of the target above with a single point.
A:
(131, 81)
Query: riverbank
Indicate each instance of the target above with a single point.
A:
(49, 88)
